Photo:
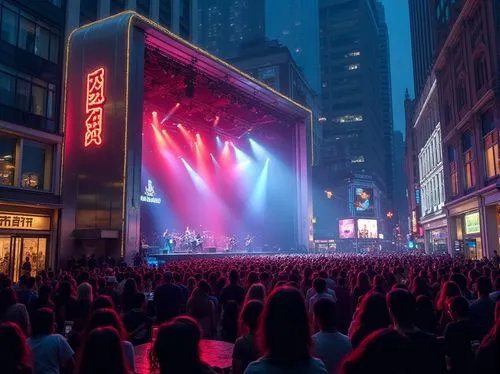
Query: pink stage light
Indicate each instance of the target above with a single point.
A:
(155, 114)
(179, 125)
(226, 142)
(178, 105)
(197, 134)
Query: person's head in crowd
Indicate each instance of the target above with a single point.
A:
(103, 302)
(484, 287)
(419, 286)
(176, 349)
(84, 293)
(325, 315)
(460, 280)
(425, 314)
(43, 322)
(383, 351)
(139, 301)
(363, 281)
(458, 307)
(102, 353)
(204, 287)
(284, 329)
(402, 306)
(379, 283)
(449, 289)
(64, 290)
(130, 287)
(234, 277)
(168, 277)
(372, 313)
(8, 298)
(257, 291)
(319, 285)
(14, 354)
(250, 315)
(106, 318)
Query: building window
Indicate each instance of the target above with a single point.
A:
(490, 143)
(29, 34)
(36, 169)
(353, 66)
(452, 159)
(460, 93)
(143, 7)
(36, 166)
(469, 170)
(28, 94)
(480, 73)
(8, 146)
(9, 26)
(348, 118)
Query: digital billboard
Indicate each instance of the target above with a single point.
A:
(346, 229)
(363, 201)
(472, 223)
(367, 229)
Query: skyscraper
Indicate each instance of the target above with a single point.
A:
(423, 41)
(225, 25)
(294, 23)
(356, 101)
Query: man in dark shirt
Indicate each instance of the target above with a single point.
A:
(167, 299)
(482, 311)
(137, 322)
(427, 353)
(233, 291)
(458, 336)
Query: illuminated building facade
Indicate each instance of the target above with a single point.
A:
(467, 69)
(356, 104)
(31, 58)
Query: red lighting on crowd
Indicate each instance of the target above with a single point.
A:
(94, 107)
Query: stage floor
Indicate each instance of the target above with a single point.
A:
(163, 258)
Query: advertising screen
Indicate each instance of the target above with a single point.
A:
(346, 229)
(472, 223)
(363, 201)
(367, 229)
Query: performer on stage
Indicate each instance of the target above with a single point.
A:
(167, 242)
(248, 243)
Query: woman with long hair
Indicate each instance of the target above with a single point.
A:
(14, 357)
(202, 309)
(245, 349)
(109, 318)
(66, 307)
(127, 296)
(383, 351)
(449, 290)
(257, 291)
(371, 315)
(44, 299)
(102, 353)
(176, 349)
(361, 288)
(11, 310)
(285, 337)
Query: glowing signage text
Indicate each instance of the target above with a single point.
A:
(94, 107)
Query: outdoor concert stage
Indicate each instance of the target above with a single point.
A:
(166, 142)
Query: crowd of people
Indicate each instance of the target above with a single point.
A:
(310, 314)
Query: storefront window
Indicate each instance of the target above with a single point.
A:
(36, 166)
(490, 143)
(8, 147)
(452, 159)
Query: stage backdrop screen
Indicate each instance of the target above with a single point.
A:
(367, 229)
(364, 202)
(346, 229)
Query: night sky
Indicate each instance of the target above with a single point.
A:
(398, 21)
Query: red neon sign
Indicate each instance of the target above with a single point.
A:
(94, 107)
